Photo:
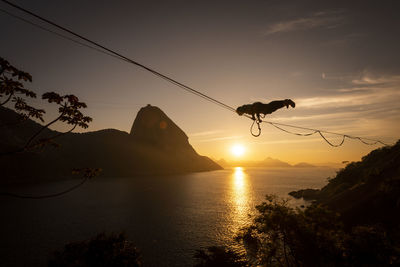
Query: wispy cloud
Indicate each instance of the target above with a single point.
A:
(354, 90)
(211, 136)
(319, 19)
(368, 107)
(290, 141)
(368, 79)
(362, 91)
(219, 138)
(205, 133)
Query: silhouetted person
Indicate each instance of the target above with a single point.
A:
(258, 108)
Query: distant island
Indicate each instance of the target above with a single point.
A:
(270, 163)
(155, 145)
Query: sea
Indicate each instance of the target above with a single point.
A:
(168, 218)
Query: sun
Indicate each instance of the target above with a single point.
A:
(238, 150)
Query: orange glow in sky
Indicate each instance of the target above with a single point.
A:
(259, 52)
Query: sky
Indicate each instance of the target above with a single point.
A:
(338, 60)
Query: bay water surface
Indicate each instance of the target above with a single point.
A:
(167, 217)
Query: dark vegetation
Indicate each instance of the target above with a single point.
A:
(33, 138)
(13, 91)
(103, 250)
(219, 257)
(283, 236)
(367, 191)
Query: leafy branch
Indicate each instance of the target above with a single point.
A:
(12, 90)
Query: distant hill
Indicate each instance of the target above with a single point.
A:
(266, 163)
(303, 165)
(365, 192)
(223, 163)
(270, 162)
(155, 145)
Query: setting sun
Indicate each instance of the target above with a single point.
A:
(238, 150)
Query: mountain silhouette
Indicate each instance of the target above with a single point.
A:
(155, 146)
(153, 127)
(270, 162)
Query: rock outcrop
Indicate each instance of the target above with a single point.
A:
(153, 127)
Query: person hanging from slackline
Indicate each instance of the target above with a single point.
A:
(258, 111)
(258, 108)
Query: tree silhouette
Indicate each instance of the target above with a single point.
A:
(284, 236)
(102, 250)
(219, 257)
(12, 90)
(14, 94)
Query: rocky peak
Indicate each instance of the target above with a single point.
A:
(152, 126)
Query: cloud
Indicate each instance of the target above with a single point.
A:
(333, 117)
(368, 107)
(212, 135)
(290, 141)
(354, 90)
(205, 133)
(368, 79)
(363, 91)
(320, 19)
(219, 138)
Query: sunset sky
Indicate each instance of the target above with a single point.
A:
(338, 60)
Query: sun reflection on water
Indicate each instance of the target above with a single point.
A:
(240, 198)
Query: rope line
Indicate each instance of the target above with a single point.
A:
(258, 126)
(330, 143)
(120, 56)
(91, 47)
(46, 196)
(56, 33)
(366, 143)
(100, 48)
(284, 130)
(320, 132)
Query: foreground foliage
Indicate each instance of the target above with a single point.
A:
(103, 250)
(219, 257)
(13, 92)
(284, 236)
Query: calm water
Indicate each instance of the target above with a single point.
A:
(168, 217)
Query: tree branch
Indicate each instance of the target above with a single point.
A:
(41, 129)
(9, 194)
(51, 138)
(8, 99)
(61, 134)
